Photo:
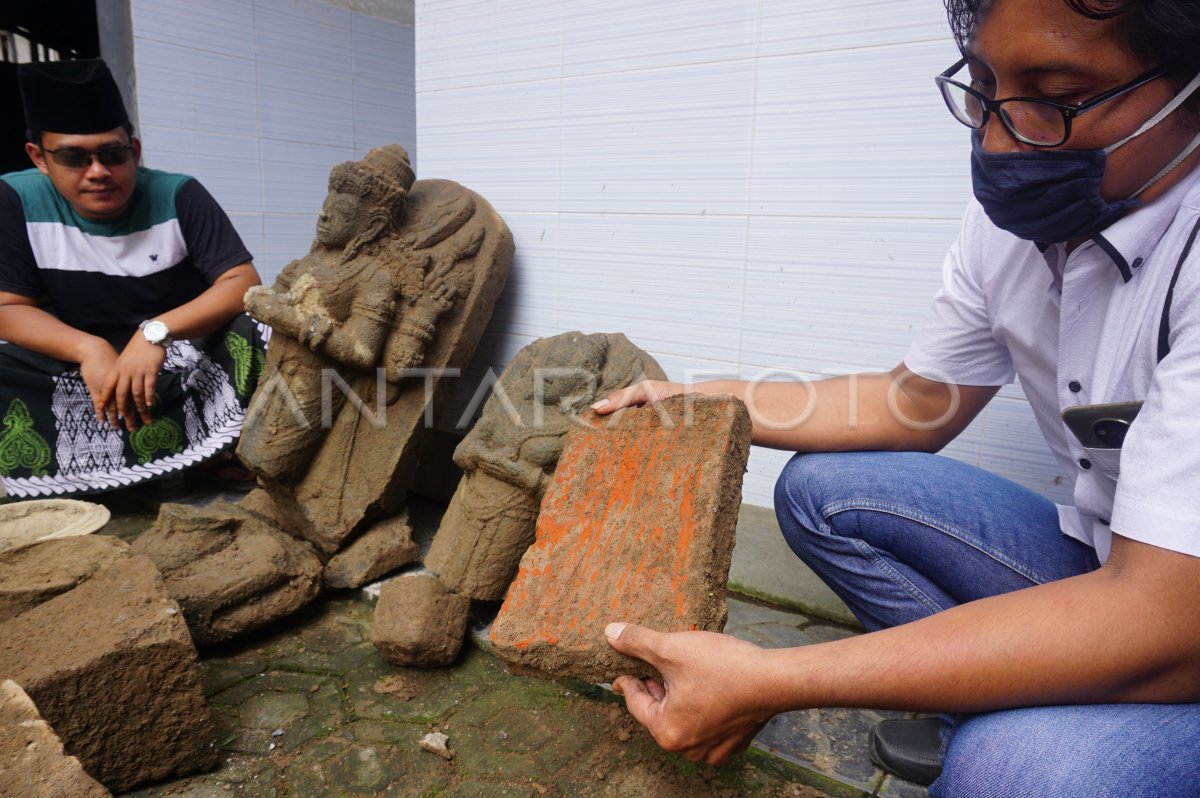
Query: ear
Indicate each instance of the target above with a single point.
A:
(136, 143)
(376, 224)
(38, 157)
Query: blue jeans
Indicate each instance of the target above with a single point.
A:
(899, 536)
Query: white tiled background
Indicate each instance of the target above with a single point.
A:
(740, 186)
(259, 98)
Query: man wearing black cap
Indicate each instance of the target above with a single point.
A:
(128, 354)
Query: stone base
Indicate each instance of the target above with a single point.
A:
(37, 573)
(111, 667)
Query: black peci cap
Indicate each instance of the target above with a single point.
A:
(71, 96)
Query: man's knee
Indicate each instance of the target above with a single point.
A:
(799, 498)
(1112, 750)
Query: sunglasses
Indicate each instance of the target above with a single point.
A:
(79, 158)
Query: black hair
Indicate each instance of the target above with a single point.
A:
(35, 136)
(1165, 32)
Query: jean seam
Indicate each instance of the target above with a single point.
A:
(874, 505)
(897, 578)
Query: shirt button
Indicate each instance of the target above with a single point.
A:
(1074, 386)
(1137, 262)
(1085, 463)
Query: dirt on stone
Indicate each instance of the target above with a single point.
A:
(33, 574)
(418, 622)
(638, 525)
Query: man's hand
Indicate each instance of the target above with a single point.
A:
(638, 394)
(709, 704)
(128, 391)
(97, 361)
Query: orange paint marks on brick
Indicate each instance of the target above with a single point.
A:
(637, 525)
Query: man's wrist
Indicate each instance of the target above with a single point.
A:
(156, 332)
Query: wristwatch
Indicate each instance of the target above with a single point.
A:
(155, 332)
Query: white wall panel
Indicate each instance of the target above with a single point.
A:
(503, 141)
(838, 295)
(741, 187)
(258, 98)
(485, 43)
(599, 39)
(671, 140)
(666, 282)
(854, 133)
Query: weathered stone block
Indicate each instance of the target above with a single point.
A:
(230, 570)
(39, 572)
(32, 762)
(380, 550)
(111, 667)
(418, 622)
(637, 525)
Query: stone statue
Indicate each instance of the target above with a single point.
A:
(508, 458)
(395, 291)
(401, 276)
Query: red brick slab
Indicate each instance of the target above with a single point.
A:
(637, 525)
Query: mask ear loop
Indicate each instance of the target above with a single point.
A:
(1166, 170)
(1166, 110)
(1177, 101)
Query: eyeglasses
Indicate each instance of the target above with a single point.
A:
(79, 158)
(1042, 123)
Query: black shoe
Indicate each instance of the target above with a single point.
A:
(910, 749)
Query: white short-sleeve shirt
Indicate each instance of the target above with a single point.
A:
(1083, 329)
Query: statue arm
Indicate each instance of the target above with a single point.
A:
(275, 309)
(357, 341)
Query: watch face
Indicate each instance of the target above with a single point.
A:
(156, 332)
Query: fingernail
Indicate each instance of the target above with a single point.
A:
(613, 630)
(603, 403)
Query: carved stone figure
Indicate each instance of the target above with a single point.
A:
(395, 291)
(510, 454)
(401, 276)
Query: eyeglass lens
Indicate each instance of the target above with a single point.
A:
(76, 158)
(1032, 122)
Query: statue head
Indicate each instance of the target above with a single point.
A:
(366, 199)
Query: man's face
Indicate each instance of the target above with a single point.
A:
(1041, 48)
(95, 191)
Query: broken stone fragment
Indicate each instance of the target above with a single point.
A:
(638, 525)
(380, 550)
(436, 743)
(32, 761)
(33, 574)
(418, 622)
(230, 570)
(112, 669)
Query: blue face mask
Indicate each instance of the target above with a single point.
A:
(1051, 196)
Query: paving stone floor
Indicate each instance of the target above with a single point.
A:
(307, 708)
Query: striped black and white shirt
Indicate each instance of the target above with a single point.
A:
(104, 277)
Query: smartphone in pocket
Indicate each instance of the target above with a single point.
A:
(1101, 426)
